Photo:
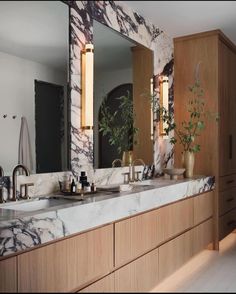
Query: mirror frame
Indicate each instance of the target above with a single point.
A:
(119, 17)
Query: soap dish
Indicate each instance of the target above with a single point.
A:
(174, 172)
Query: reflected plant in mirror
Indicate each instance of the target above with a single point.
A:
(121, 66)
(119, 126)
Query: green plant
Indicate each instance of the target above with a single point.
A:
(119, 125)
(187, 131)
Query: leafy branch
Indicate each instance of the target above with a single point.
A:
(121, 134)
(189, 129)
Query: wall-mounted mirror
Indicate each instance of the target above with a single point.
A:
(34, 57)
(121, 65)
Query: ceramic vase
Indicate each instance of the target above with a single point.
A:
(188, 163)
(127, 157)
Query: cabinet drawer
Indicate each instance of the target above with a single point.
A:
(175, 218)
(203, 207)
(8, 275)
(66, 265)
(175, 253)
(227, 182)
(135, 236)
(202, 236)
(140, 275)
(227, 223)
(105, 285)
(227, 200)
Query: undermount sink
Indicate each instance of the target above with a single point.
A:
(36, 204)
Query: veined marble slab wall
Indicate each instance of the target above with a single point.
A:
(118, 16)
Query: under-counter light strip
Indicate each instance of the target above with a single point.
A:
(87, 86)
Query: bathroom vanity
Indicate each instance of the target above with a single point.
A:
(112, 242)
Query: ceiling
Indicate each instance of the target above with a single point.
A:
(178, 18)
(36, 30)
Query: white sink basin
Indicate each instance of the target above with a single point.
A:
(36, 204)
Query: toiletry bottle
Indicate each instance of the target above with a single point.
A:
(87, 187)
(93, 188)
(83, 179)
(73, 187)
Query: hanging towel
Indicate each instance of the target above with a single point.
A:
(24, 150)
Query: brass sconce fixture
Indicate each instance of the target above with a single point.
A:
(164, 102)
(87, 87)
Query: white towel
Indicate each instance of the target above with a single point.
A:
(24, 150)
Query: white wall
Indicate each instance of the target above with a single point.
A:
(17, 97)
(104, 82)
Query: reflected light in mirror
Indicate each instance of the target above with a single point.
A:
(164, 102)
(87, 86)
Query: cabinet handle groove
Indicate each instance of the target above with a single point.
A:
(230, 199)
(230, 223)
(230, 182)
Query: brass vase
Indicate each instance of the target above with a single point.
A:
(127, 157)
(188, 163)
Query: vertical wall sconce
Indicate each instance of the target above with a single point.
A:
(87, 87)
(164, 101)
(151, 94)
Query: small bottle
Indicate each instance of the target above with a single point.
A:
(73, 187)
(87, 187)
(79, 187)
(93, 188)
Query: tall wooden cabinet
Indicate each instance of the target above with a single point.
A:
(216, 55)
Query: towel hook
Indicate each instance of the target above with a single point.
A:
(4, 115)
(14, 116)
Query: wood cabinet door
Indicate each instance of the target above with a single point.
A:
(232, 95)
(140, 275)
(226, 136)
(202, 236)
(68, 264)
(175, 253)
(135, 236)
(203, 207)
(175, 219)
(105, 285)
(8, 275)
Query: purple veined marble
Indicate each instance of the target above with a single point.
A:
(118, 16)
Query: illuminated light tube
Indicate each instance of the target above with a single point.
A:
(151, 93)
(164, 102)
(87, 87)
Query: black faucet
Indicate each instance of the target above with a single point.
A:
(14, 179)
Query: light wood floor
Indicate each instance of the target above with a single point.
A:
(209, 271)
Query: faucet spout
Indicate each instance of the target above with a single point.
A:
(117, 160)
(132, 170)
(14, 178)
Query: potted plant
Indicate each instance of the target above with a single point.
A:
(119, 126)
(186, 132)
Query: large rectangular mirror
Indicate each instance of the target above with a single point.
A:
(121, 68)
(34, 61)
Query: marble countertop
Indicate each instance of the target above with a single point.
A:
(20, 230)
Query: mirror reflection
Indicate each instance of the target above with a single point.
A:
(34, 57)
(122, 73)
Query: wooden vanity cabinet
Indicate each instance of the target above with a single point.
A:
(68, 264)
(130, 255)
(216, 55)
(141, 275)
(139, 234)
(8, 275)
